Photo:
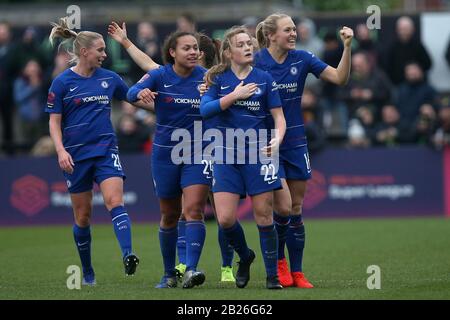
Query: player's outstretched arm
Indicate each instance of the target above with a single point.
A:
(341, 74)
(139, 57)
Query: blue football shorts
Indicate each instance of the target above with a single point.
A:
(294, 164)
(243, 179)
(95, 169)
(170, 179)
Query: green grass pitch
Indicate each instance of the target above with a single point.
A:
(413, 254)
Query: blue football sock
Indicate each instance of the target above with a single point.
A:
(122, 228)
(282, 226)
(82, 237)
(296, 243)
(195, 238)
(181, 241)
(226, 249)
(168, 245)
(268, 240)
(236, 237)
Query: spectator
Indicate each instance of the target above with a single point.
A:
(425, 125)
(413, 93)
(313, 119)
(336, 112)
(391, 131)
(365, 43)
(250, 22)
(44, 147)
(405, 48)
(186, 23)
(143, 117)
(441, 138)
(30, 97)
(333, 49)
(6, 79)
(361, 131)
(368, 86)
(132, 136)
(146, 121)
(29, 48)
(307, 39)
(147, 41)
(61, 63)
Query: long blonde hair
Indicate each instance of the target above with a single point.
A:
(225, 63)
(268, 27)
(83, 39)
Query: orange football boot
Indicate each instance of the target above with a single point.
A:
(300, 281)
(284, 275)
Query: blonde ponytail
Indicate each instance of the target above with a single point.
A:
(83, 39)
(268, 27)
(61, 30)
(260, 36)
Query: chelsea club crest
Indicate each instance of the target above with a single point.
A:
(294, 71)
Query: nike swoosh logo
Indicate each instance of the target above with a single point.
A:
(119, 223)
(82, 244)
(167, 85)
(270, 182)
(223, 88)
(71, 89)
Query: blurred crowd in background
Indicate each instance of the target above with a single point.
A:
(388, 100)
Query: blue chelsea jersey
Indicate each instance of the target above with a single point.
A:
(290, 79)
(249, 113)
(85, 106)
(177, 103)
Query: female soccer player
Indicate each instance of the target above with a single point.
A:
(79, 104)
(289, 67)
(239, 97)
(176, 106)
(207, 58)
